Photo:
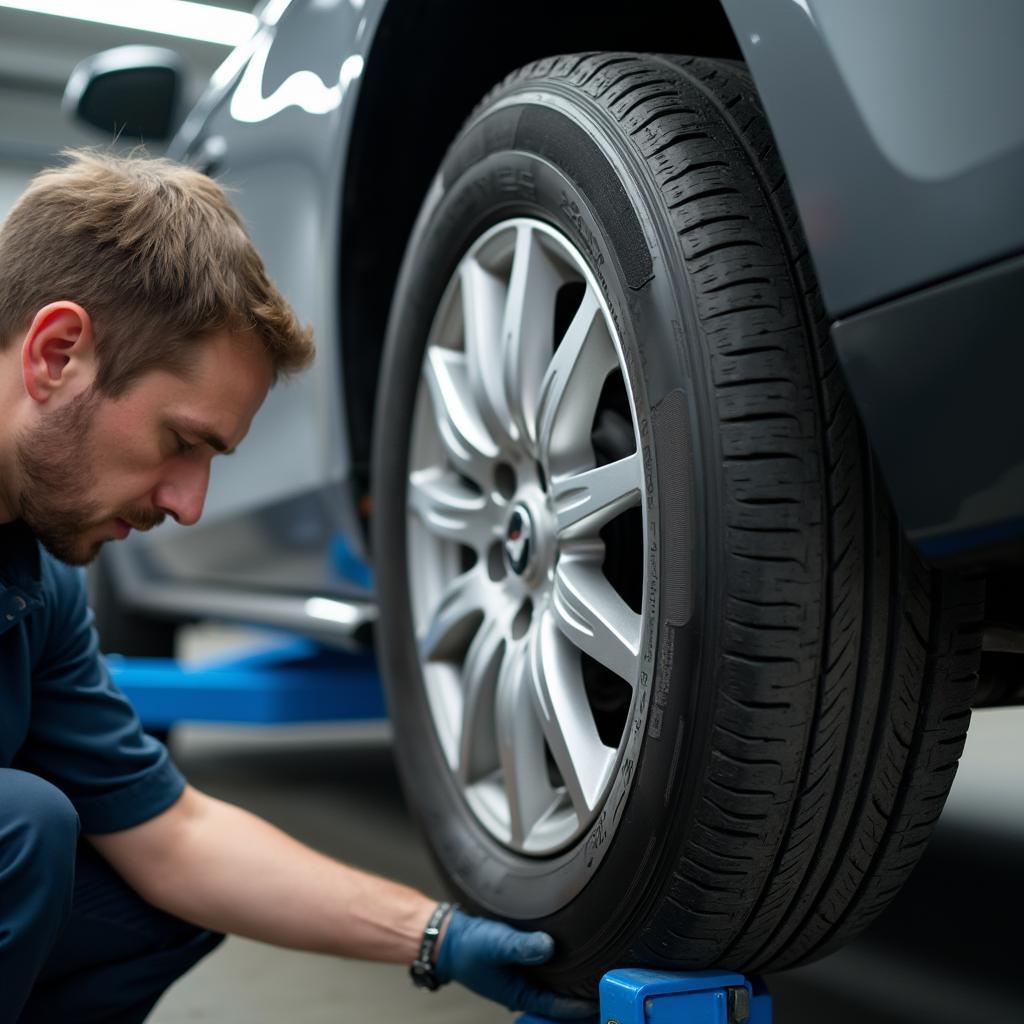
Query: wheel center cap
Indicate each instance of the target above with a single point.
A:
(519, 539)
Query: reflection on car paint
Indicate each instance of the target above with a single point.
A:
(304, 89)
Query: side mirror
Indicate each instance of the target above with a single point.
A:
(130, 91)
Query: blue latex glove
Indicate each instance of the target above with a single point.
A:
(488, 957)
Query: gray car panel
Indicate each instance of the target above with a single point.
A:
(899, 125)
(274, 124)
(938, 377)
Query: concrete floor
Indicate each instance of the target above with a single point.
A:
(941, 954)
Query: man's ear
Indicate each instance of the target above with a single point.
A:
(58, 357)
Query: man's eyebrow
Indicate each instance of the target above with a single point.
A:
(207, 436)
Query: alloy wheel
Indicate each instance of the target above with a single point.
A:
(526, 533)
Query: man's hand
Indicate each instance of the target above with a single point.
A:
(224, 869)
(488, 957)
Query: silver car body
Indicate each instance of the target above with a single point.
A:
(900, 130)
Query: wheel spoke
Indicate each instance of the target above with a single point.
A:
(483, 304)
(585, 501)
(521, 748)
(571, 388)
(593, 616)
(456, 616)
(528, 328)
(467, 442)
(450, 509)
(515, 411)
(478, 753)
(566, 717)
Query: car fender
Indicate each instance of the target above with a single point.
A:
(899, 126)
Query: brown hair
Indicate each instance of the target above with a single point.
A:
(156, 255)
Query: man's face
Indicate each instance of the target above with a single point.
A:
(99, 467)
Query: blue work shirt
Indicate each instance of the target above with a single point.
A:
(61, 716)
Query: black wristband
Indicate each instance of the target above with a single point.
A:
(422, 968)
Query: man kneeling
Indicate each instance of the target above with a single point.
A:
(139, 335)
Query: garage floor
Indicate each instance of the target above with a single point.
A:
(946, 952)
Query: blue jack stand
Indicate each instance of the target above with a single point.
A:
(638, 996)
(296, 681)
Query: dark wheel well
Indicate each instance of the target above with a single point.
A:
(428, 67)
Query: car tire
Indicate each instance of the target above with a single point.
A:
(803, 682)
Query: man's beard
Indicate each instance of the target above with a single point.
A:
(56, 461)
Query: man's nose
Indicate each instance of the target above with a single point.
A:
(182, 493)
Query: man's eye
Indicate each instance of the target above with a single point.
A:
(182, 445)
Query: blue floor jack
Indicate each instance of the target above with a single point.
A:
(635, 995)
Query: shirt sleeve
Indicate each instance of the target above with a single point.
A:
(84, 735)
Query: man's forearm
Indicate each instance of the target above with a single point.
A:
(225, 869)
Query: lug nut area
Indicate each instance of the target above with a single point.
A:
(505, 480)
(521, 623)
(497, 568)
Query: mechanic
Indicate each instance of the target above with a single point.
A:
(139, 334)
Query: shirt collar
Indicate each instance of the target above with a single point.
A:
(21, 588)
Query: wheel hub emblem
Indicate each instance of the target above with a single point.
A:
(518, 539)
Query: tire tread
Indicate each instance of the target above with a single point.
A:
(840, 650)
(846, 668)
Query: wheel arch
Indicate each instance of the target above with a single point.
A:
(451, 55)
